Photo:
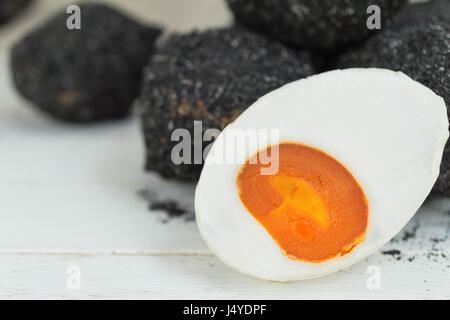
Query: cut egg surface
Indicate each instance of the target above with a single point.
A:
(318, 174)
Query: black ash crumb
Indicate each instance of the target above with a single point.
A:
(172, 208)
(417, 43)
(324, 24)
(83, 75)
(392, 252)
(210, 76)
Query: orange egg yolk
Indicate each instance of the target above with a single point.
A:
(312, 206)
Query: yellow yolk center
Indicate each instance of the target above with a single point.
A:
(300, 198)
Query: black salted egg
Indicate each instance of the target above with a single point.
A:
(84, 75)
(324, 24)
(209, 76)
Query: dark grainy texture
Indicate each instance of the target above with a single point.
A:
(171, 207)
(416, 42)
(392, 252)
(9, 8)
(313, 24)
(83, 75)
(210, 76)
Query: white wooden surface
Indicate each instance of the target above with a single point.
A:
(69, 196)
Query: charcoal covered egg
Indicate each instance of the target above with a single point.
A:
(320, 173)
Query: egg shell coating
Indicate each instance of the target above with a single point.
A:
(210, 76)
(312, 24)
(83, 75)
(386, 129)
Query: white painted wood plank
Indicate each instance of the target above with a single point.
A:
(421, 269)
(204, 277)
